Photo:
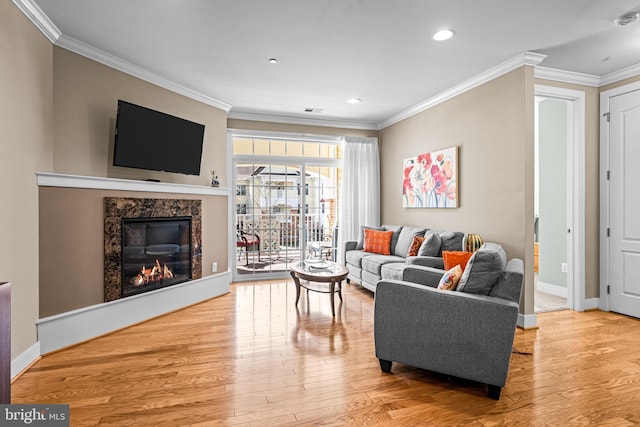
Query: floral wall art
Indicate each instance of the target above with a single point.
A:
(431, 180)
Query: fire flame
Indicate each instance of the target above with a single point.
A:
(154, 274)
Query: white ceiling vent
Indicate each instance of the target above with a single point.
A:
(627, 18)
(314, 110)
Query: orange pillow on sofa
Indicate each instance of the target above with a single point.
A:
(377, 242)
(453, 258)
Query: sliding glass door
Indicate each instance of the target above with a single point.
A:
(285, 204)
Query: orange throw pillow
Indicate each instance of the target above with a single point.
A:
(453, 258)
(377, 242)
(415, 246)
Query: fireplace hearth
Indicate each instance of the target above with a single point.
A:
(150, 244)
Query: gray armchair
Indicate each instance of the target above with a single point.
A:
(467, 334)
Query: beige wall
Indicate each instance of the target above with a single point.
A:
(492, 126)
(26, 147)
(72, 243)
(85, 100)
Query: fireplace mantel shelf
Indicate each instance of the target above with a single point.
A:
(93, 182)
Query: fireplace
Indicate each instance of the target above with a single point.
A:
(150, 244)
(156, 253)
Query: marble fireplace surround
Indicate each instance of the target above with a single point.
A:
(116, 208)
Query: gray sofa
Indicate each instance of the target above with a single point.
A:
(465, 333)
(368, 268)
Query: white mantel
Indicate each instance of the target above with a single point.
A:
(101, 183)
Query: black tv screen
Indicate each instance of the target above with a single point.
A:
(149, 139)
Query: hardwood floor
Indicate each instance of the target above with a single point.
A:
(252, 358)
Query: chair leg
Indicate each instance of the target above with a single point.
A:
(385, 365)
(494, 391)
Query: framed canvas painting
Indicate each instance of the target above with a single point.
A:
(431, 180)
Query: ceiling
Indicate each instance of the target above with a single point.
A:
(328, 51)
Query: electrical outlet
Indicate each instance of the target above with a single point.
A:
(563, 267)
(214, 267)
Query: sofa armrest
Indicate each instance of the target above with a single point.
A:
(426, 276)
(426, 261)
(350, 245)
(455, 333)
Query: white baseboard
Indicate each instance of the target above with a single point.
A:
(551, 289)
(527, 321)
(63, 330)
(25, 359)
(591, 303)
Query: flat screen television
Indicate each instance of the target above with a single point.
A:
(149, 139)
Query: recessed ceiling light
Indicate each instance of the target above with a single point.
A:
(354, 100)
(273, 61)
(443, 35)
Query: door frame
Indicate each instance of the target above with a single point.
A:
(575, 191)
(303, 162)
(605, 247)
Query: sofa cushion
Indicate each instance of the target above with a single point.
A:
(396, 232)
(392, 271)
(405, 238)
(355, 257)
(377, 242)
(450, 279)
(483, 270)
(431, 244)
(415, 246)
(451, 240)
(360, 243)
(374, 263)
(453, 258)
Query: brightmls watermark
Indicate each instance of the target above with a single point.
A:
(34, 415)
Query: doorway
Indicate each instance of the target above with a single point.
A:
(559, 199)
(286, 202)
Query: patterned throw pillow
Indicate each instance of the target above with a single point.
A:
(377, 242)
(450, 279)
(453, 258)
(415, 246)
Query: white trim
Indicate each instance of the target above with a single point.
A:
(63, 330)
(32, 11)
(283, 136)
(576, 210)
(25, 359)
(112, 61)
(616, 76)
(527, 321)
(527, 58)
(566, 76)
(551, 289)
(591, 303)
(101, 183)
(239, 115)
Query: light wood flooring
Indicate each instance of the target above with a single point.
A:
(252, 358)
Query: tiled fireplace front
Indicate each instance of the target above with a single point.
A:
(133, 226)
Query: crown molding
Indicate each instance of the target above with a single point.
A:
(566, 76)
(526, 58)
(239, 115)
(616, 76)
(112, 61)
(32, 11)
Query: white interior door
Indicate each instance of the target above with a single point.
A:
(624, 203)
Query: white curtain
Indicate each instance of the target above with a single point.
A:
(360, 198)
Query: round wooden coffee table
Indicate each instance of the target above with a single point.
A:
(319, 276)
